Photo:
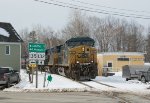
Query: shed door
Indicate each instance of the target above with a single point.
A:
(109, 65)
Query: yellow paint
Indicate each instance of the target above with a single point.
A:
(32, 65)
(105, 58)
(76, 52)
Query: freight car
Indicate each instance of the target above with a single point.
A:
(75, 59)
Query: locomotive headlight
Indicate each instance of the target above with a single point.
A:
(83, 49)
(77, 61)
(72, 52)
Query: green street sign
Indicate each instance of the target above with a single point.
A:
(36, 47)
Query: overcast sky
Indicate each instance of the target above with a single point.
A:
(25, 13)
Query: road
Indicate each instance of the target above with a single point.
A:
(71, 97)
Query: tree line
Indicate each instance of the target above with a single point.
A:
(110, 34)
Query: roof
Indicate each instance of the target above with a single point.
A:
(8, 33)
(78, 39)
(121, 53)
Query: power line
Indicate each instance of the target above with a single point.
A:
(109, 7)
(100, 9)
(94, 11)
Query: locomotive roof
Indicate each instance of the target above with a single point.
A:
(78, 39)
(54, 49)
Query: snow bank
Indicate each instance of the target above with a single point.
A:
(147, 64)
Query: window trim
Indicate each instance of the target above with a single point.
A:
(123, 59)
(110, 62)
(6, 48)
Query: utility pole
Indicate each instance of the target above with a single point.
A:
(34, 39)
(36, 54)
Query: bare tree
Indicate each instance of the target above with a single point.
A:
(104, 32)
(77, 26)
(110, 34)
(135, 38)
(116, 35)
(24, 35)
(147, 56)
(47, 35)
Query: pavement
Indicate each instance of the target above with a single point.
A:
(71, 97)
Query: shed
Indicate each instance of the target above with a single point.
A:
(114, 61)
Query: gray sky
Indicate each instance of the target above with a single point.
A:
(25, 13)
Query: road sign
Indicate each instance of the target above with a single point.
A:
(40, 62)
(32, 56)
(41, 56)
(36, 47)
(36, 56)
(36, 51)
(32, 63)
(49, 78)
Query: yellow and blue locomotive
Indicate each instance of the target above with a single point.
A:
(75, 59)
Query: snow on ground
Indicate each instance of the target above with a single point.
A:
(121, 84)
(58, 83)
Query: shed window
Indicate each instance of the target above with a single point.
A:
(123, 59)
(109, 64)
(7, 50)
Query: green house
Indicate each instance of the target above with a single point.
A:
(10, 47)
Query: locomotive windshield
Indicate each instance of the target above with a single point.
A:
(88, 43)
(80, 41)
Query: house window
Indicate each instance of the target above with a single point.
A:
(7, 50)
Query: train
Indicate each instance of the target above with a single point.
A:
(75, 59)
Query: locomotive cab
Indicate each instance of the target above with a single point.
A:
(82, 58)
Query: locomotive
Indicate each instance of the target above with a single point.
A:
(75, 59)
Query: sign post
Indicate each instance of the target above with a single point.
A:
(32, 75)
(44, 79)
(36, 52)
(37, 77)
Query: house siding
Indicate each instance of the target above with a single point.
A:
(12, 60)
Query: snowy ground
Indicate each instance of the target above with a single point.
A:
(58, 83)
(122, 85)
(62, 84)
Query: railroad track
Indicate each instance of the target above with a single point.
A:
(111, 94)
(84, 83)
(103, 84)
